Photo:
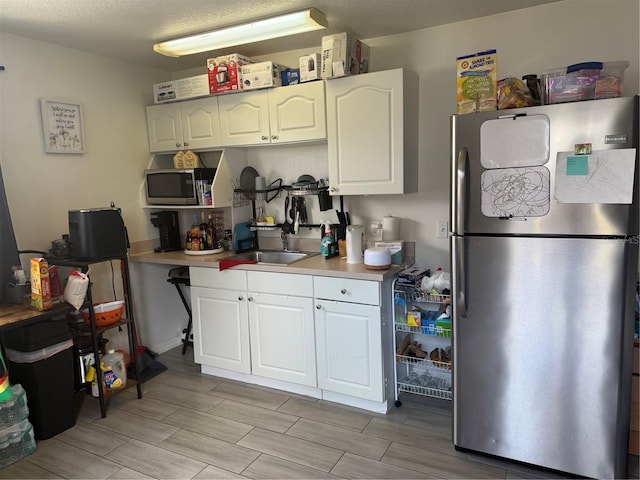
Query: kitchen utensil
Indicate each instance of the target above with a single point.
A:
(294, 205)
(248, 182)
(286, 226)
(302, 208)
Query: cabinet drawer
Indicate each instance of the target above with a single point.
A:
(347, 290)
(210, 277)
(281, 283)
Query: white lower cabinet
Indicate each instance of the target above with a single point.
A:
(349, 349)
(282, 338)
(326, 337)
(220, 319)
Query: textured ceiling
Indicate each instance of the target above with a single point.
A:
(127, 29)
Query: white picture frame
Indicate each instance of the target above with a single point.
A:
(62, 126)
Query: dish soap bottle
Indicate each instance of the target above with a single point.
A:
(326, 244)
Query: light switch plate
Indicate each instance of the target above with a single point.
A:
(442, 229)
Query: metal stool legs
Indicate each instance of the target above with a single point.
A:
(178, 277)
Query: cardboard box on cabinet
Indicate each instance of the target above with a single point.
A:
(224, 73)
(181, 89)
(309, 67)
(261, 75)
(343, 54)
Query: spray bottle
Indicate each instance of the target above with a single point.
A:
(326, 244)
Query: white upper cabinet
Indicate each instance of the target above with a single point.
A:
(297, 113)
(372, 133)
(190, 125)
(289, 114)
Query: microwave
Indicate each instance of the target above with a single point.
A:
(171, 186)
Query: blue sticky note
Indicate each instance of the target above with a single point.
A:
(578, 165)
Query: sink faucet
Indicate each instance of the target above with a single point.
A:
(285, 241)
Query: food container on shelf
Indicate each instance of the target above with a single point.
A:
(106, 314)
(583, 81)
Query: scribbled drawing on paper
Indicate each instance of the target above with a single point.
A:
(516, 192)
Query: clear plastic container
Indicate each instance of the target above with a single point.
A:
(583, 81)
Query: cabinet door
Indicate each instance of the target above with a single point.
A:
(282, 338)
(349, 349)
(164, 126)
(244, 118)
(372, 133)
(297, 113)
(200, 123)
(221, 328)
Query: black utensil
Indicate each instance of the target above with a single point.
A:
(286, 227)
(302, 206)
(347, 218)
(292, 212)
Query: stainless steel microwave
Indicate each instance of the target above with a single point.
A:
(173, 186)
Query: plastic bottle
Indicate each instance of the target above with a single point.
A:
(204, 239)
(327, 241)
(15, 446)
(115, 371)
(212, 237)
(195, 233)
(5, 452)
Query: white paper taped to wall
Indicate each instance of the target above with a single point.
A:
(604, 176)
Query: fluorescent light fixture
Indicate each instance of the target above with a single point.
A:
(274, 27)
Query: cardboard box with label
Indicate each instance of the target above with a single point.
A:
(260, 75)
(290, 76)
(396, 248)
(224, 73)
(477, 84)
(343, 54)
(309, 67)
(181, 89)
(40, 284)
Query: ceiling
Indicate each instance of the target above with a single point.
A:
(127, 29)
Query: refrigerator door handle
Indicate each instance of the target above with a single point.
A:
(458, 286)
(459, 191)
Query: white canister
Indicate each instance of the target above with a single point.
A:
(355, 241)
(390, 228)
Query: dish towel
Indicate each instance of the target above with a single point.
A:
(228, 263)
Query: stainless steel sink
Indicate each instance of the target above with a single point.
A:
(273, 257)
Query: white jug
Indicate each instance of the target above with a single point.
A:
(355, 242)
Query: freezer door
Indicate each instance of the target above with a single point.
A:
(516, 171)
(540, 372)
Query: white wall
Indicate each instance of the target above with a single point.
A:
(42, 187)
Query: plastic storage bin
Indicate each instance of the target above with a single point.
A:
(583, 81)
(41, 359)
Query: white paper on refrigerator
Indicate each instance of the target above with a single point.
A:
(604, 176)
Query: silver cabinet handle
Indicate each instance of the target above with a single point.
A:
(186, 144)
(264, 137)
(250, 299)
(343, 291)
(274, 137)
(240, 298)
(177, 145)
(318, 307)
(333, 189)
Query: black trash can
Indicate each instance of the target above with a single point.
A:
(40, 357)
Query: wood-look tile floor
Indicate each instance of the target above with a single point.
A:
(189, 425)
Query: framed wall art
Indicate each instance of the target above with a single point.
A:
(62, 126)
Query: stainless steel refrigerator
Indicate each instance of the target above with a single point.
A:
(544, 252)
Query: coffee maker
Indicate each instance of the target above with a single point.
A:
(167, 222)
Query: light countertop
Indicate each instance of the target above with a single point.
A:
(315, 265)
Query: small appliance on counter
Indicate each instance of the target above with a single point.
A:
(97, 234)
(167, 223)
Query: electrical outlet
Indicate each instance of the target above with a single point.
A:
(442, 229)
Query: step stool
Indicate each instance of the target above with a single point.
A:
(180, 276)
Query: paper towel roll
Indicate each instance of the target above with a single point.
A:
(390, 228)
